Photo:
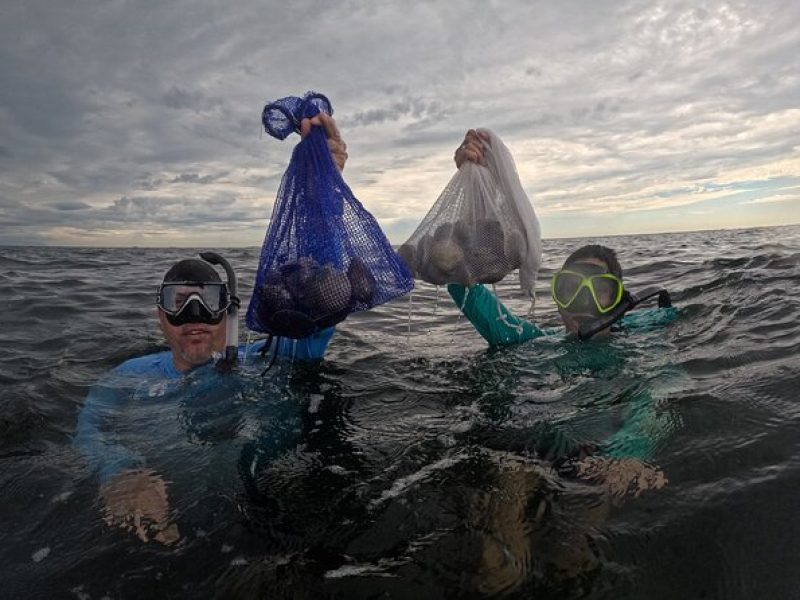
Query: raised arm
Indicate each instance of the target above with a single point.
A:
(336, 144)
(498, 325)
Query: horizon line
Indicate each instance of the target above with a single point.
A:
(577, 237)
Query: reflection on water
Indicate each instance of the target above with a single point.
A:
(415, 462)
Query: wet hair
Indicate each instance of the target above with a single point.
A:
(192, 270)
(596, 251)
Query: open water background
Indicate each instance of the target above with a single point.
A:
(404, 467)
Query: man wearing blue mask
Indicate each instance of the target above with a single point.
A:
(197, 313)
(193, 307)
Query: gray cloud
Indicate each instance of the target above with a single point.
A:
(126, 116)
(181, 98)
(70, 206)
(197, 178)
(417, 109)
(171, 211)
(534, 71)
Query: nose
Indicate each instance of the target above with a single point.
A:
(583, 302)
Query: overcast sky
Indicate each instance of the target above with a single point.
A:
(138, 122)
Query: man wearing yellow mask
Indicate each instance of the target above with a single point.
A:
(591, 298)
(588, 289)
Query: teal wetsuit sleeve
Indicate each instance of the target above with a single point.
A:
(641, 430)
(105, 455)
(648, 419)
(491, 319)
(644, 424)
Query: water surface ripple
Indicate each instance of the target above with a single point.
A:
(411, 463)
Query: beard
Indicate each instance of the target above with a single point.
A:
(197, 354)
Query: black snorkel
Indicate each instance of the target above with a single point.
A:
(628, 302)
(228, 362)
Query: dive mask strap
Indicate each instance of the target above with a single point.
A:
(628, 302)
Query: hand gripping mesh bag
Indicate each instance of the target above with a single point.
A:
(324, 256)
(481, 228)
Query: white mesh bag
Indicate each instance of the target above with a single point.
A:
(481, 228)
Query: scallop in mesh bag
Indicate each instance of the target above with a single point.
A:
(480, 229)
(324, 255)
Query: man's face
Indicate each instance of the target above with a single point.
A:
(192, 344)
(572, 320)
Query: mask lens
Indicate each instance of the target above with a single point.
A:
(590, 292)
(213, 296)
(565, 286)
(194, 311)
(606, 290)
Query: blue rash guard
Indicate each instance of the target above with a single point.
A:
(146, 379)
(642, 424)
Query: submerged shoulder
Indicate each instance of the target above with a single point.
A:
(159, 363)
(651, 317)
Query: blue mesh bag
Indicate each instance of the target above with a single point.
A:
(324, 256)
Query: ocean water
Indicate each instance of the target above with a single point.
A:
(408, 464)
